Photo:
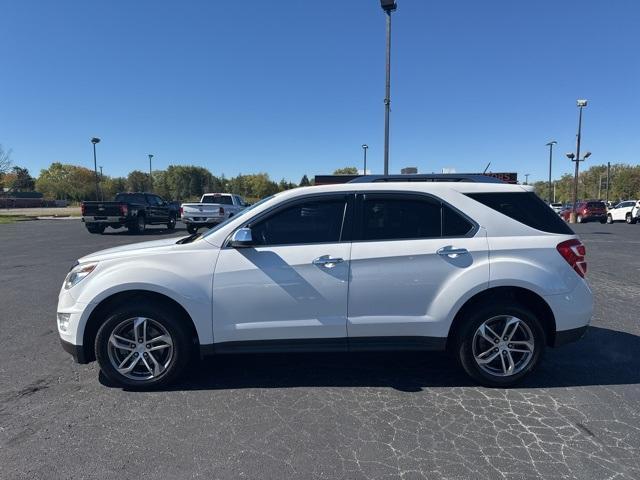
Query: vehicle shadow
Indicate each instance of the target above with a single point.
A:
(602, 357)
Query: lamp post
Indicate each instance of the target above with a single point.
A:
(608, 176)
(101, 179)
(150, 177)
(364, 150)
(95, 140)
(388, 6)
(550, 145)
(526, 178)
(576, 158)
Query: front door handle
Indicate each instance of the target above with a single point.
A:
(451, 252)
(327, 261)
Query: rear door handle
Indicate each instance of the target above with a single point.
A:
(327, 261)
(451, 252)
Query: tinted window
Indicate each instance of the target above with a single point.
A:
(314, 221)
(130, 198)
(394, 217)
(525, 207)
(454, 224)
(221, 199)
(595, 205)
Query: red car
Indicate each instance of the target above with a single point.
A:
(587, 211)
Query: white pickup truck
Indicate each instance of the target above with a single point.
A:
(213, 209)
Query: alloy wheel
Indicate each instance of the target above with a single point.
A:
(503, 346)
(140, 348)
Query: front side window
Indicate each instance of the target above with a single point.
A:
(311, 221)
(397, 217)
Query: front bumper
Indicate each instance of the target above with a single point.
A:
(76, 351)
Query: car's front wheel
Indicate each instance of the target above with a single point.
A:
(609, 219)
(629, 219)
(142, 346)
(171, 224)
(192, 229)
(499, 344)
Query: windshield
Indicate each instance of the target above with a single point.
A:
(235, 217)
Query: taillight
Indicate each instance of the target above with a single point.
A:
(181, 211)
(573, 251)
(123, 210)
(82, 209)
(221, 211)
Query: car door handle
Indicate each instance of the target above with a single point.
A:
(452, 252)
(327, 261)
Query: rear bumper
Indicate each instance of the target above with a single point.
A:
(98, 219)
(76, 351)
(203, 220)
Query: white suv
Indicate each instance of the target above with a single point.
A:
(486, 271)
(627, 211)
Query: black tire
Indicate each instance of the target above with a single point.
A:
(609, 219)
(139, 226)
(465, 337)
(629, 219)
(579, 219)
(192, 229)
(171, 225)
(171, 321)
(95, 228)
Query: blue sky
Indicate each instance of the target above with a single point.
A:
(295, 86)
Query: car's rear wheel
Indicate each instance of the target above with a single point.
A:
(192, 229)
(142, 346)
(609, 219)
(629, 219)
(171, 225)
(499, 344)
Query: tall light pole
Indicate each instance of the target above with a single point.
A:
(526, 178)
(364, 149)
(388, 6)
(550, 145)
(572, 217)
(95, 140)
(608, 176)
(150, 177)
(101, 179)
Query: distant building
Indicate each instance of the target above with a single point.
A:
(507, 177)
(409, 170)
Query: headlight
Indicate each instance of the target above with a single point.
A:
(78, 273)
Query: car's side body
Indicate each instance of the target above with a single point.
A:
(624, 211)
(395, 293)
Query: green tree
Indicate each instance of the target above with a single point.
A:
(21, 180)
(66, 182)
(137, 181)
(304, 182)
(346, 171)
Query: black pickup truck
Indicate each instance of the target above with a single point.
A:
(131, 210)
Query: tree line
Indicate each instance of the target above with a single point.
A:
(624, 184)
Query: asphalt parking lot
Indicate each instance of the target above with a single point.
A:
(358, 416)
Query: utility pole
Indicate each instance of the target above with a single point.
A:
(550, 145)
(388, 6)
(364, 148)
(526, 178)
(101, 178)
(608, 177)
(572, 217)
(96, 140)
(150, 175)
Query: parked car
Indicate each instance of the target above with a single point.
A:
(213, 209)
(485, 271)
(556, 207)
(587, 211)
(626, 211)
(131, 210)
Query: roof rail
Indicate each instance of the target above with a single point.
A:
(428, 177)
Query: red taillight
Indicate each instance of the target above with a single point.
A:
(573, 251)
(221, 211)
(123, 210)
(82, 209)
(181, 211)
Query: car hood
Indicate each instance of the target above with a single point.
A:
(132, 250)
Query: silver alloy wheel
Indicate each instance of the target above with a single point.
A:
(140, 348)
(141, 223)
(506, 353)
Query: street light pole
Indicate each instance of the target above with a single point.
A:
(96, 140)
(572, 217)
(101, 179)
(364, 149)
(150, 176)
(526, 178)
(388, 6)
(550, 145)
(608, 176)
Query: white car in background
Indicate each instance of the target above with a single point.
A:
(626, 211)
(214, 208)
(484, 270)
(556, 207)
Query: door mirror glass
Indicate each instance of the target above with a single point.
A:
(241, 238)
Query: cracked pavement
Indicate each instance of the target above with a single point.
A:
(324, 416)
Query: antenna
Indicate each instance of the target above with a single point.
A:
(486, 168)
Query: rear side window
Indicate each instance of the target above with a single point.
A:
(400, 218)
(595, 205)
(454, 224)
(524, 207)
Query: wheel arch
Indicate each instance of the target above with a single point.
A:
(108, 304)
(523, 296)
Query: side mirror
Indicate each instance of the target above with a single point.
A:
(241, 238)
